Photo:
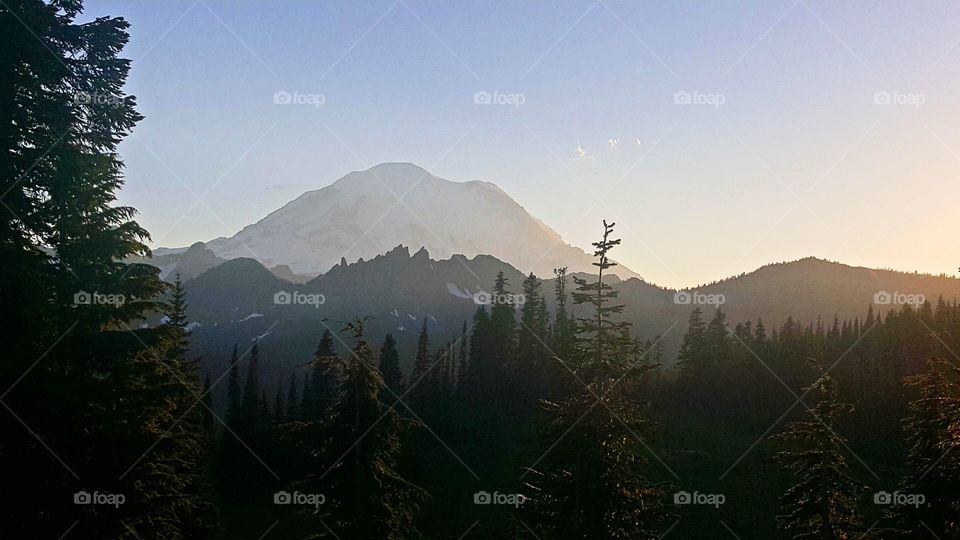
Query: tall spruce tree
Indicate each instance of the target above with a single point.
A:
(501, 339)
(368, 497)
(531, 351)
(421, 367)
(823, 502)
(324, 378)
(390, 365)
(103, 393)
(481, 374)
(933, 464)
(593, 483)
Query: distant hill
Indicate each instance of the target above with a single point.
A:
(235, 301)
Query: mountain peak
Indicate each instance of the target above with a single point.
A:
(397, 167)
(359, 216)
(393, 175)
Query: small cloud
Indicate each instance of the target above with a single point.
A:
(613, 142)
(638, 141)
(582, 154)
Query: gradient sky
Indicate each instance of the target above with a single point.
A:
(798, 160)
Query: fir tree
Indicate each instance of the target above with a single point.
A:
(421, 366)
(480, 374)
(102, 394)
(692, 359)
(531, 339)
(369, 498)
(390, 365)
(324, 378)
(501, 340)
(593, 484)
(823, 502)
(933, 463)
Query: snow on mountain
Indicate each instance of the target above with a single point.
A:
(359, 216)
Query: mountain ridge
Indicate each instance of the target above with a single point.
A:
(234, 302)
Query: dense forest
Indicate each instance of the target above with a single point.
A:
(536, 422)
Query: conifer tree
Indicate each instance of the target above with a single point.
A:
(102, 394)
(501, 340)
(324, 377)
(593, 483)
(823, 502)
(421, 366)
(390, 365)
(692, 358)
(531, 339)
(480, 374)
(368, 497)
(250, 401)
(933, 463)
(561, 328)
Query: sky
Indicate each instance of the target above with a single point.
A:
(745, 132)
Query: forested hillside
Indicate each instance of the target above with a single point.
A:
(404, 397)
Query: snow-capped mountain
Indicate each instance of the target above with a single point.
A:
(359, 216)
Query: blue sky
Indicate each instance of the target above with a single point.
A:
(800, 157)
